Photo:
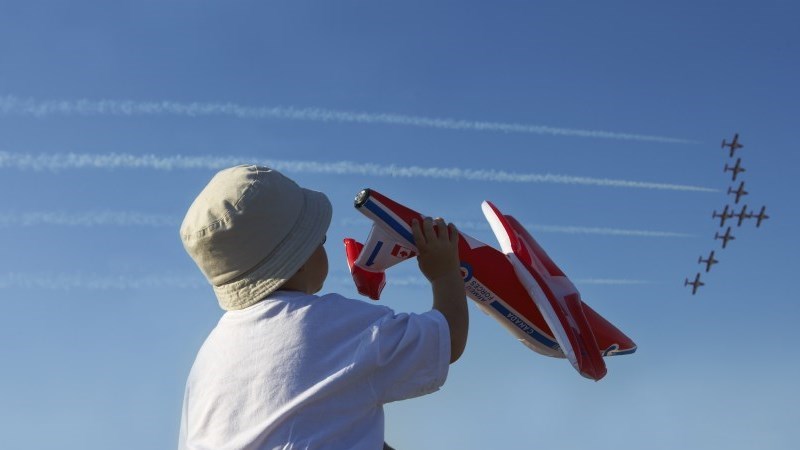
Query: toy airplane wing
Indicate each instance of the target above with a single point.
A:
(494, 284)
(554, 295)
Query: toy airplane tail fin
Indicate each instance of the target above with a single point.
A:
(368, 283)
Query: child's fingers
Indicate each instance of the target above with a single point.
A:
(451, 228)
(419, 238)
(427, 228)
(441, 229)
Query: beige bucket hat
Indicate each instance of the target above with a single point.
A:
(250, 230)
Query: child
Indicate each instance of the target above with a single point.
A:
(287, 369)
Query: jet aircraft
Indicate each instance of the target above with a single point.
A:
(760, 216)
(736, 169)
(695, 284)
(725, 215)
(708, 262)
(743, 214)
(738, 192)
(733, 145)
(725, 237)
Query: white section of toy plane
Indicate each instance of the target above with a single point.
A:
(383, 249)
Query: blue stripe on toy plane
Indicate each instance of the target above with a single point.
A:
(531, 331)
(389, 220)
(614, 350)
(374, 253)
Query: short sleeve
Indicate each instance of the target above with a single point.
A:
(411, 353)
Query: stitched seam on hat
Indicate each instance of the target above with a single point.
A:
(263, 260)
(226, 217)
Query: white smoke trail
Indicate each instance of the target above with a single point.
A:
(65, 161)
(86, 219)
(132, 218)
(66, 282)
(569, 229)
(11, 105)
(419, 281)
(92, 282)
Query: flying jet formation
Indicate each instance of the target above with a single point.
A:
(739, 192)
(695, 284)
(725, 215)
(725, 237)
(736, 169)
(729, 212)
(708, 262)
(760, 216)
(743, 214)
(733, 145)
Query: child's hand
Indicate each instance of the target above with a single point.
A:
(438, 261)
(438, 248)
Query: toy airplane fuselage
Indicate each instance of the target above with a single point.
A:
(522, 289)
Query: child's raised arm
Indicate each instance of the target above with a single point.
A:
(438, 261)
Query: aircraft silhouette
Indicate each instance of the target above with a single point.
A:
(733, 145)
(725, 237)
(725, 215)
(695, 284)
(760, 216)
(708, 262)
(738, 192)
(736, 169)
(743, 214)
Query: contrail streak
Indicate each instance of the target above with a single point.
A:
(569, 229)
(12, 105)
(67, 282)
(87, 219)
(419, 281)
(132, 218)
(65, 161)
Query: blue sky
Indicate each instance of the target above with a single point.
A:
(103, 311)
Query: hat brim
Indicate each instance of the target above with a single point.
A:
(284, 261)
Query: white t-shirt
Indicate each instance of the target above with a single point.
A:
(297, 371)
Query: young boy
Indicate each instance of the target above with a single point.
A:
(287, 369)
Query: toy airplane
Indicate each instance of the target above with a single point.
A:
(521, 288)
